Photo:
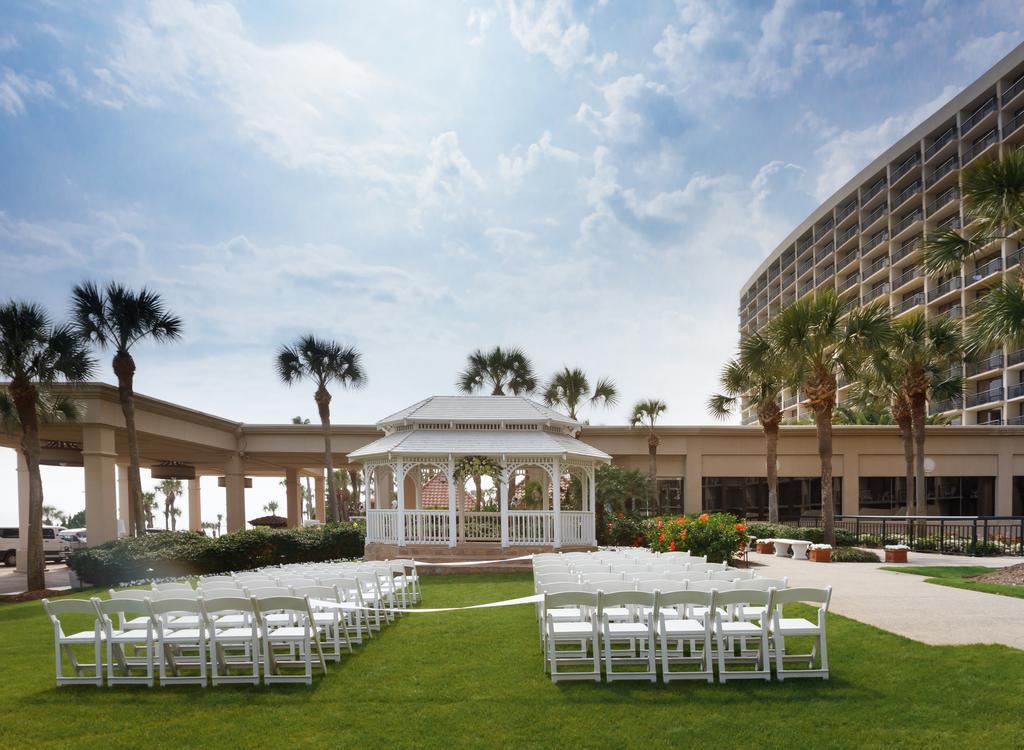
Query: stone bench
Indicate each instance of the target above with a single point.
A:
(782, 547)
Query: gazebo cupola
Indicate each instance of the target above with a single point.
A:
(542, 476)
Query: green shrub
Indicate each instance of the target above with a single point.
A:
(853, 554)
(622, 530)
(716, 536)
(183, 553)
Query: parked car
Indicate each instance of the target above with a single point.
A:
(73, 540)
(53, 545)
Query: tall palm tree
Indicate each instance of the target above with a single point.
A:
(881, 400)
(220, 519)
(149, 506)
(271, 507)
(570, 388)
(993, 203)
(756, 374)
(118, 318)
(175, 515)
(500, 370)
(645, 414)
(171, 489)
(814, 346)
(35, 354)
(324, 362)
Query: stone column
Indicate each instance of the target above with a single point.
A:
(195, 505)
(318, 496)
(292, 500)
(21, 551)
(99, 454)
(124, 502)
(400, 481)
(503, 505)
(234, 485)
(693, 493)
(556, 501)
(453, 513)
(851, 484)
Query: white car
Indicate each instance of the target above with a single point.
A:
(53, 545)
(73, 540)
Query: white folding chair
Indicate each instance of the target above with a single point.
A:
(629, 640)
(351, 593)
(64, 643)
(756, 584)
(685, 633)
(722, 575)
(732, 633)
(138, 622)
(120, 662)
(172, 586)
(174, 642)
(412, 577)
(331, 619)
(583, 634)
(791, 627)
(235, 647)
(300, 640)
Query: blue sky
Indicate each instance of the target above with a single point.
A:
(592, 181)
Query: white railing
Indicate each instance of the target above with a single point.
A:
(531, 527)
(427, 527)
(482, 527)
(382, 526)
(577, 527)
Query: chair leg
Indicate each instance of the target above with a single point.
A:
(824, 653)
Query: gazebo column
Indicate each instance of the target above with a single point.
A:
(400, 481)
(453, 514)
(556, 499)
(503, 502)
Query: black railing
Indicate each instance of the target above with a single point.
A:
(942, 170)
(906, 166)
(956, 535)
(985, 397)
(1015, 390)
(987, 140)
(912, 302)
(948, 286)
(944, 199)
(1014, 124)
(906, 221)
(943, 140)
(978, 115)
(847, 234)
(843, 211)
(992, 362)
(874, 190)
(849, 258)
(1011, 91)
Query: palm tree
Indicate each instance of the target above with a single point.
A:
(271, 507)
(149, 506)
(754, 373)
(324, 362)
(175, 515)
(171, 489)
(119, 318)
(881, 400)
(993, 203)
(814, 345)
(569, 388)
(52, 515)
(35, 354)
(498, 369)
(645, 413)
(220, 519)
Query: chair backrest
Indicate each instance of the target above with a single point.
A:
(661, 584)
(556, 578)
(687, 598)
(168, 606)
(323, 593)
(609, 587)
(559, 588)
(762, 584)
(237, 603)
(576, 598)
(709, 585)
(133, 594)
(291, 604)
(645, 576)
(743, 596)
(803, 595)
(722, 575)
(172, 586)
(107, 607)
(601, 577)
(59, 607)
(265, 592)
(607, 599)
(741, 575)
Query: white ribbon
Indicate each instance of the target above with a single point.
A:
(324, 604)
(468, 563)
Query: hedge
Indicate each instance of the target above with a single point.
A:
(853, 554)
(173, 554)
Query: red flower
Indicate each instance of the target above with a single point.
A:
(741, 527)
(660, 524)
(703, 518)
(683, 534)
(622, 515)
(672, 546)
(661, 537)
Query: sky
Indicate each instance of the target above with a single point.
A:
(590, 181)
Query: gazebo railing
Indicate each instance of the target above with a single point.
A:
(427, 527)
(577, 527)
(531, 527)
(382, 526)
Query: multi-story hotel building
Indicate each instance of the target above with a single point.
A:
(865, 241)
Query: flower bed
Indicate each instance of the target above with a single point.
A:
(820, 553)
(716, 535)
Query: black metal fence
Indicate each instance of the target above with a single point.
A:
(960, 535)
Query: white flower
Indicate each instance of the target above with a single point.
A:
(821, 546)
(896, 546)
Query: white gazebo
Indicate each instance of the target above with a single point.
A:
(538, 460)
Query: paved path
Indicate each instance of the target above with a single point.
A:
(12, 582)
(904, 604)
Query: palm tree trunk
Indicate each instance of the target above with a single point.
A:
(355, 481)
(917, 413)
(652, 470)
(25, 397)
(823, 424)
(323, 403)
(771, 455)
(907, 436)
(124, 369)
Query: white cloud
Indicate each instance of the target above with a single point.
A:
(627, 101)
(513, 168)
(479, 23)
(447, 178)
(980, 52)
(7, 42)
(548, 27)
(16, 89)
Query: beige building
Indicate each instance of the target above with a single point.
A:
(971, 470)
(865, 241)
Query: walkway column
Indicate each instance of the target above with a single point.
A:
(400, 481)
(556, 500)
(124, 503)
(291, 488)
(693, 487)
(503, 503)
(21, 553)
(318, 495)
(195, 505)
(234, 484)
(1003, 505)
(99, 454)
(851, 484)
(453, 517)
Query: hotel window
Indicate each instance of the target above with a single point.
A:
(747, 497)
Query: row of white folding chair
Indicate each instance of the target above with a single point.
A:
(174, 651)
(649, 632)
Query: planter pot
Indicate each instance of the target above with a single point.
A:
(896, 555)
(766, 548)
(820, 555)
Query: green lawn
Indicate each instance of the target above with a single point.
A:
(958, 577)
(475, 679)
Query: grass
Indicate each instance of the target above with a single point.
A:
(958, 577)
(475, 679)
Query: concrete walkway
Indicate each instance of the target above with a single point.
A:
(12, 582)
(904, 604)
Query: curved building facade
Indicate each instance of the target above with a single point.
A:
(865, 241)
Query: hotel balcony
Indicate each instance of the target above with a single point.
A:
(846, 235)
(823, 229)
(1013, 131)
(946, 169)
(804, 288)
(804, 267)
(1015, 358)
(845, 211)
(904, 168)
(908, 221)
(848, 259)
(943, 199)
(908, 247)
(956, 312)
(985, 270)
(848, 282)
(993, 361)
(872, 294)
(981, 145)
(985, 397)
(990, 421)
(940, 407)
(983, 114)
(879, 264)
(910, 303)
(1014, 390)
(954, 284)
(908, 275)
(873, 191)
(874, 219)
(824, 253)
(1012, 91)
(906, 194)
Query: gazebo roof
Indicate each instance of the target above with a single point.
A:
(478, 442)
(478, 409)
